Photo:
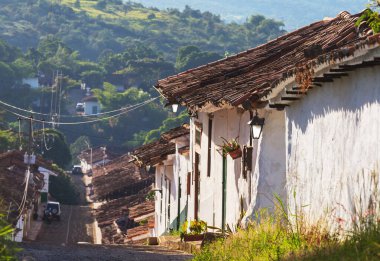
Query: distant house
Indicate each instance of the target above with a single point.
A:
(45, 189)
(92, 157)
(170, 158)
(91, 105)
(32, 82)
(319, 152)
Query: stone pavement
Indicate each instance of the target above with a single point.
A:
(35, 225)
(46, 252)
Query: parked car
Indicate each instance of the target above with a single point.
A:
(77, 170)
(52, 211)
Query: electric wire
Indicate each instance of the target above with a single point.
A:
(67, 116)
(132, 108)
(44, 137)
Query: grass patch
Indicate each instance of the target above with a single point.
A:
(271, 238)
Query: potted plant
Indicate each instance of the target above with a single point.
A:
(196, 230)
(232, 148)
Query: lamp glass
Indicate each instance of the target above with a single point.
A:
(175, 107)
(256, 131)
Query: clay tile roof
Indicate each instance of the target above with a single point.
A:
(141, 231)
(110, 211)
(119, 178)
(176, 132)
(155, 152)
(12, 177)
(141, 210)
(251, 75)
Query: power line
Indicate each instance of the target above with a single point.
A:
(66, 116)
(136, 106)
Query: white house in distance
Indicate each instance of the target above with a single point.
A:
(93, 157)
(319, 152)
(170, 158)
(91, 105)
(44, 191)
(32, 82)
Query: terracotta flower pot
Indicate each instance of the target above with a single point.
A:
(198, 237)
(236, 153)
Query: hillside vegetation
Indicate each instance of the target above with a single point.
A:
(294, 13)
(119, 50)
(93, 27)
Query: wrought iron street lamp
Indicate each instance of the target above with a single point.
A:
(256, 125)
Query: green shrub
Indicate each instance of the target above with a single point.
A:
(8, 249)
(272, 238)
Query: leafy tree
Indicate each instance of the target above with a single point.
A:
(101, 4)
(80, 144)
(371, 16)
(77, 4)
(191, 57)
(8, 140)
(167, 124)
(93, 78)
(48, 46)
(62, 188)
(22, 68)
(7, 75)
(56, 148)
(8, 249)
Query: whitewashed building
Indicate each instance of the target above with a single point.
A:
(91, 105)
(318, 152)
(170, 158)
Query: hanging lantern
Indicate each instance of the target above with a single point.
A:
(256, 125)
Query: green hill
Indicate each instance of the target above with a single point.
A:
(111, 46)
(93, 27)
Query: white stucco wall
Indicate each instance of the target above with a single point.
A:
(33, 82)
(333, 143)
(177, 167)
(88, 107)
(269, 176)
(164, 174)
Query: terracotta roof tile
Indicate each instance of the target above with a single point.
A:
(120, 178)
(251, 75)
(155, 152)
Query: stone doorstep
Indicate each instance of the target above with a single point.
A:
(175, 243)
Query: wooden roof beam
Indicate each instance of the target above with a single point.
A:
(296, 92)
(278, 106)
(339, 70)
(335, 75)
(322, 79)
(289, 98)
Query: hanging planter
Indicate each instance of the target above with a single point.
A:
(232, 148)
(235, 153)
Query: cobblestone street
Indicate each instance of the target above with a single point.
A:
(72, 238)
(47, 252)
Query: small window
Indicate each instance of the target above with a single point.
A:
(94, 109)
(188, 183)
(247, 160)
(198, 133)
